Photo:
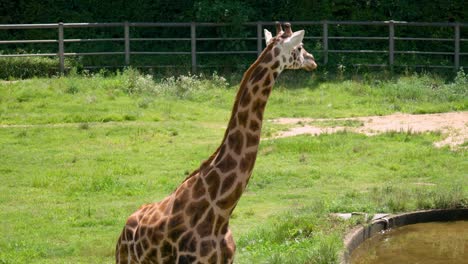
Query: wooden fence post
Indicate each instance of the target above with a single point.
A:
(259, 38)
(193, 38)
(127, 43)
(391, 43)
(457, 47)
(61, 49)
(325, 42)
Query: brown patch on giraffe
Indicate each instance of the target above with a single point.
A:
(145, 243)
(284, 59)
(156, 236)
(275, 65)
(245, 98)
(255, 89)
(152, 254)
(259, 75)
(185, 240)
(254, 125)
(175, 227)
(144, 208)
(205, 227)
(258, 107)
(167, 250)
(121, 252)
(206, 247)
(188, 242)
(268, 57)
(212, 179)
(169, 260)
(128, 234)
(259, 114)
(232, 123)
(175, 233)
(256, 71)
(266, 91)
(252, 140)
(243, 117)
(186, 259)
(226, 254)
(230, 200)
(214, 258)
(267, 81)
(220, 222)
(140, 233)
(162, 225)
(236, 142)
(227, 164)
(156, 233)
(153, 212)
(195, 211)
(275, 75)
(139, 249)
(181, 196)
(163, 205)
(175, 221)
(152, 227)
(224, 227)
(220, 154)
(132, 252)
(189, 182)
(132, 222)
(248, 161)
(198, 189)
(228, 182)
(276, 51)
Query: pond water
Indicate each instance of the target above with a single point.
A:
(428, 243)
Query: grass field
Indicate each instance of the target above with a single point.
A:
(79, 154)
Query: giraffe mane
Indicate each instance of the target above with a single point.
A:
(243, 86)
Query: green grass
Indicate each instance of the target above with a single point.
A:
(80, 154)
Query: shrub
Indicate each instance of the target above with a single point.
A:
(27, 67)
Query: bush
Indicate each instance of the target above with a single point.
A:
(27, 67)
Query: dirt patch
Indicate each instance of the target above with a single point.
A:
(454, 126)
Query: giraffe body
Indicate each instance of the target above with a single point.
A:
(191, 224)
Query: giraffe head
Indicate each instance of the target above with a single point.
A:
(292, 54)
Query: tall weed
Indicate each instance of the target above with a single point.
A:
(300, 236)
(181, 87)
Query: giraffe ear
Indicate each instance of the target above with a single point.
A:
(294, 40)
(268, 36)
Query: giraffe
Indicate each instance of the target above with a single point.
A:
(191, 224)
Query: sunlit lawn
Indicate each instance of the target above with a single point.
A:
(78, 155)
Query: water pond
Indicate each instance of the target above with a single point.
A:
(428, 243)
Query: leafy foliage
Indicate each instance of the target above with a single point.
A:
(233, 13)
(27, 67)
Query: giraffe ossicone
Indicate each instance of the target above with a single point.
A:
(191, 224)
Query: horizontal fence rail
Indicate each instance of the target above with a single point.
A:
(256, 27)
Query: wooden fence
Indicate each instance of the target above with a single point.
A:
(325, 40)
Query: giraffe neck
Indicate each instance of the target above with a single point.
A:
(232, 164)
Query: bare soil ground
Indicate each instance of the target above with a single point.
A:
(454, 126)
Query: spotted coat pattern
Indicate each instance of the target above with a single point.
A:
(191, 224)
